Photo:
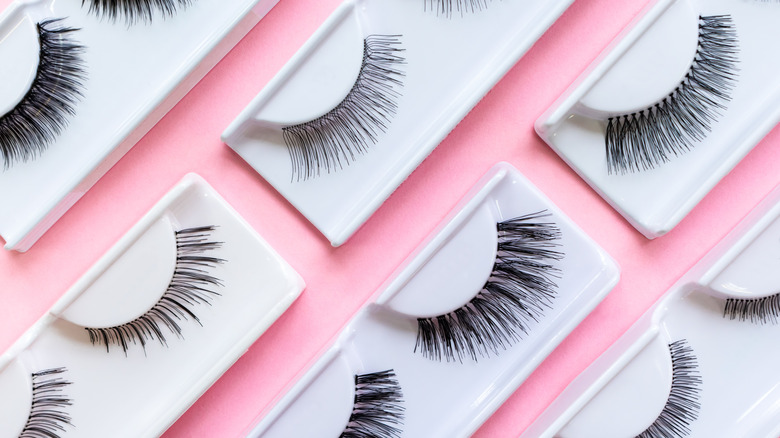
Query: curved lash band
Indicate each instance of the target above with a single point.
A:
(377, 411)
(335, 139)
(644, 140)
(682, 406)
(189, 287)
(758, 311)
(447, 7)
(520, 288)
(134, 10)
(27, 130)
(47, 413)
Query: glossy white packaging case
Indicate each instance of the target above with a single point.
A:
(135, 74)
(140, 392)
(646, 63)
(450, 63)
(447, 398)
(626, 389)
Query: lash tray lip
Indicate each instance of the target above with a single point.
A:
(316, 80)
(332, 385)
(133, 282)
(20, 44)
(15, 398)
(467, 250)
(653, 363)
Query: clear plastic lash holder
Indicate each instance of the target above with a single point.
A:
(134, 74)
(451, 395)
(673, 138)
(141, 388)
(447, 61)
(725, 311)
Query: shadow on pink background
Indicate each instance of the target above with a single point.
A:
(339, 280)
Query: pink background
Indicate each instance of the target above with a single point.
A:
(340, 280)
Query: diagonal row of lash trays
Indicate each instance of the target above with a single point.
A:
(671, 106)
(701, 362)
(42, 112)
(460, 325)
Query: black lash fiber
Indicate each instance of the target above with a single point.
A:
(648, 138)
(27, 130)
(758, 311)
(134, 11)
(377, 410)
(47, 413)
(518, 291)
(335, 139)
(682, 406)
(447, 7)
(190, 286)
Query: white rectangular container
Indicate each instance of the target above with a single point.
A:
(450, 63)
(135, 75)
(141, 391)
(646, 63)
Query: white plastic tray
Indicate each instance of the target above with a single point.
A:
(642, 66)
(625, 390)
(140, 393)
(135, 75)
(448, 398)
(450, 64)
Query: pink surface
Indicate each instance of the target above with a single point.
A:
(339, 280)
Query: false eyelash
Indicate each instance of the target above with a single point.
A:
(48, 414)
(518, 291)
(27, 129)
(377, 410)
(189, 286)
(333, 140)
(134, 10)
(682, 406)
(447, 7)
(758, 311)
(648, 138)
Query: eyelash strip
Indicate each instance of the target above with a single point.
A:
(47, 413)
(517, 292)
(134, 10)
(682, 407)
(333, 140)
(447, 7)
(758, 311)
(648, 138)
(377, 411)
(43, 112)
(189, 287)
